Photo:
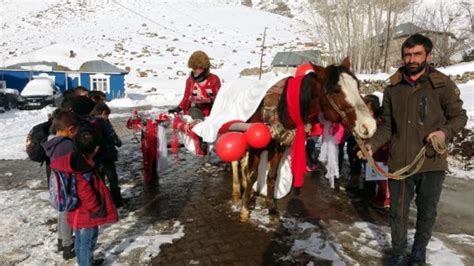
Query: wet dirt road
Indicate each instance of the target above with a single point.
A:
(199, 197)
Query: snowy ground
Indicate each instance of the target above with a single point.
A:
(15, 126)
(467, 95)
(18, 123)
(351, 244)
(158, 43)
(155, 43)
(28, 227)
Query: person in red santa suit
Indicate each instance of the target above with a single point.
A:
(201, 88)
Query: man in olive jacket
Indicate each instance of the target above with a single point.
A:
(419, 102)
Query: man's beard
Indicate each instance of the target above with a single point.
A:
(413, 69)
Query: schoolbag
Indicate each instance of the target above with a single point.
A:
(37, 135)
(89, 123)
(63, 191)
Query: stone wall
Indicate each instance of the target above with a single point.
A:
(369, 86)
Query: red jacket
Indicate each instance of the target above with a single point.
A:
(95, 203)
(97, 207)
(207, 88)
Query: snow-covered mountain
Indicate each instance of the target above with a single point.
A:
(152, 38)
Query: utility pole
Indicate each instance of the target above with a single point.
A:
(348, 53)
(261, 54)
(388, 35)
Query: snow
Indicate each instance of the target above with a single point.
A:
(467, 95)
(337, 243)
(458, 69)
(368, 240)
(16, 124)
(157, 42)
(57, 52)
(38, 87)
(371, 77)
(9, 91)
(48, 30)
(28, 237)
(459, 173)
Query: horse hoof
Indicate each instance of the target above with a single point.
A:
(297, 191)
(274, 216)
(275, 219)
(244, 216)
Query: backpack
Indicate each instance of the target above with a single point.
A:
(37, 135)
(89, 123)
(63, 191)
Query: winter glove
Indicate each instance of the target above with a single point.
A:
(177, 109)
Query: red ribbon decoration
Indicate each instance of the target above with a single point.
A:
(181, 125)
(298, 150)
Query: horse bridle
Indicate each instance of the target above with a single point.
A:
(339, 110)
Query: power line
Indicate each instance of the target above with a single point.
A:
(149, 19)
(177, 32)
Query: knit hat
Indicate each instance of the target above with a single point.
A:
(82, 105)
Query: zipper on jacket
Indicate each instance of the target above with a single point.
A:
(423, 109)
(407, 120)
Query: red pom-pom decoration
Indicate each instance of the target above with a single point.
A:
(258, 135)
(231, 146)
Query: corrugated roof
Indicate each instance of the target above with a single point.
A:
(100, 66)
(296, 58)
(32, 64)
(406, 29)
(96, 66)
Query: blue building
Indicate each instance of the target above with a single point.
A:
(93, 75)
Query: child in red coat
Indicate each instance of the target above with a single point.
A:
(96, 205)
(59, 148)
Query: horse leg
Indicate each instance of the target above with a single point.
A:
(244, 164)
(250, 175)
(236, 193)
(271, 201)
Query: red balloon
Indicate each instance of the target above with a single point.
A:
(231, 146)
(258, 135)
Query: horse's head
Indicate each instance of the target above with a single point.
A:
(340, 101)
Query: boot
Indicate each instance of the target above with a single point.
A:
(98, 262)
(418, 256)
(117, 198)
(396, 260)
(68, 252)
(60, 245)
(353, 183)
(378, 202)
(337, 185)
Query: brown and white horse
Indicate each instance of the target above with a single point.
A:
(332, 90)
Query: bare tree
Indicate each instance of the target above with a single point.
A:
(467, 6)
(356, 28)
(442, 26)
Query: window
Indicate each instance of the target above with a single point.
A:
(100, 82)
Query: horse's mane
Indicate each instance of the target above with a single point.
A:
(333, 74)
(305, 99)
